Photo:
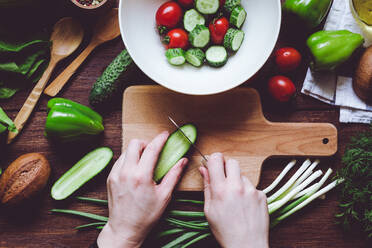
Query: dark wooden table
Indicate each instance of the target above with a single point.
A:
(31, 225)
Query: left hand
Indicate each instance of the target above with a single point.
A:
(135, 201)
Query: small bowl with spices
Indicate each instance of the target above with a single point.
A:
(92, 5)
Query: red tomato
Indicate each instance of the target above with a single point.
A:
(168, 15)
(177, 38)
(218, 29)
(281, 88)
(186, 3)
(287, 59)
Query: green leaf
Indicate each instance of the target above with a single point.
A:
(6, 120)
(6, 93)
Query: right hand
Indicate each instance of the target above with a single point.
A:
(236, 211)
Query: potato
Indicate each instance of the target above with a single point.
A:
(362, 82)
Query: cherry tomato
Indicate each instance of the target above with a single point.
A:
(168, 15)
(186, 3)
(177, 38)
(281, 88)
(287, 59)
(218, 29)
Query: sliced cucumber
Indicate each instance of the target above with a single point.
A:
(207, 7)
(238, 16)
(174, 149)
(175, 56)
(195, 56)
(216, 56)
(199, 36)
(84, 170)
(230, 5)
(191, 19)
(233, 39)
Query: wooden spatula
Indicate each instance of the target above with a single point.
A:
(66, 37)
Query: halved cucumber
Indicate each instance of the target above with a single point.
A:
(230, 5)
(216, 56)
(233, 39)
(207, 6)
(191, 19)
(175, 56)
(195, 56)
(84, 170)
(174, 149)
(238, 16)
(199, 36)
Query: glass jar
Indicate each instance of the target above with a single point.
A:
(362, 12)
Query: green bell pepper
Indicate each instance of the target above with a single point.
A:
(70, 121)
(329, 49)
(312, 12)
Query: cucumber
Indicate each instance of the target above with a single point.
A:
(238, 16)
(108, 85)
(230, 5)
(233, 39)
(195, 56)
(207, 7)
(175, 56)
(191, 19)
(84, 170)
(216, 56)
(199, 37)
(174, 149)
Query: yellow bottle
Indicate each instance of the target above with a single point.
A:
(362, 12)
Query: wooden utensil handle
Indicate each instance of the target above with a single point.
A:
(58, 83)
(31, 101)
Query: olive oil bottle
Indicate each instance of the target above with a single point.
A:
(362, 12)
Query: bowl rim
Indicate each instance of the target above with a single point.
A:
(90, 6)
(278, 27)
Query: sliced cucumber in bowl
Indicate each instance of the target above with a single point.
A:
(191, 19)
(207, 7)
(195, 56)
(175, 56)
(238, 16)
(199, 37)
(216, 56)
(233, 39)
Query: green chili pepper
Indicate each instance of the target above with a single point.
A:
(329, 49)
(69, 121)
(312, 12)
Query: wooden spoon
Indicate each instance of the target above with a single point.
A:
(66, 37)
(106, 29)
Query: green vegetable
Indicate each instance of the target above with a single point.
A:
(175, 56)
(6, 123)
(191, 19)
(110, 82)
(70, 121)
(233, 39)
(329, 49)
(312, 12)
(84, 170)
(199, 37)
(356, 192)
(195, 56)
(174, 149)
(216, 56)
(238, 16)
(207, 6)
(230, 5)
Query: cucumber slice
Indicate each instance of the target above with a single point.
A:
(233, 39)
(216, 56)
(238, 16)
(199, 36)
(207, 7)
(191, 19)
(230, 5)
(84, 170)
(175, 56)
(195, 56)
(174, 149)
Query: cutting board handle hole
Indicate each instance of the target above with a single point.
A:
(325, 141)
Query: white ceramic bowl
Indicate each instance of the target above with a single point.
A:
(138, 30)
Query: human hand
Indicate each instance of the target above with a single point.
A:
(237, 213)
(135, 201)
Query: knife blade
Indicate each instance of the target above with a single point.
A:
(184, 135)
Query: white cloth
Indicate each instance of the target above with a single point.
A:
(331, 88)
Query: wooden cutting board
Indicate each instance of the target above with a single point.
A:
(231, 123)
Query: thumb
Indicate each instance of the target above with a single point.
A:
(171, 179)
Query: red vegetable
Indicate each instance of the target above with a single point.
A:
(281, 88)
(218, 29)
(168, 16)
(287, 59)
(177, 38)
(186, 3)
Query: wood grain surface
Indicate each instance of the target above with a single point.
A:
(32, 225)
(231, 122)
